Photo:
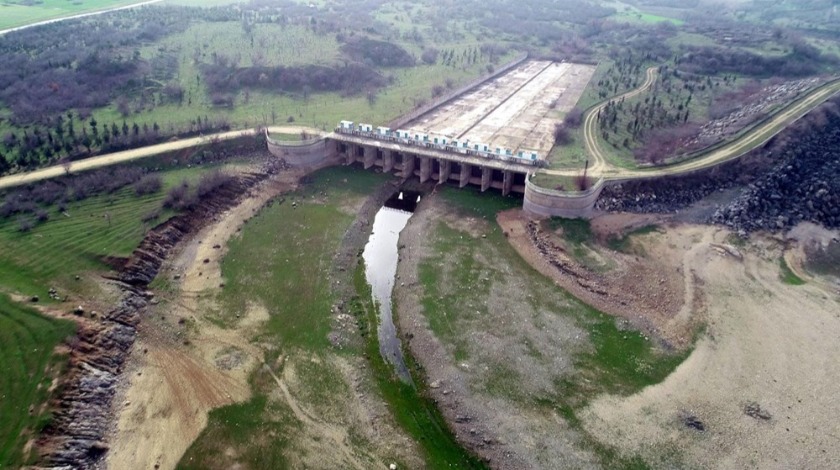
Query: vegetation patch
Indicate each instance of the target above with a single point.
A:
(624, 242)
(787, 275)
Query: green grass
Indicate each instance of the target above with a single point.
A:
(15, 13)
(624, 243)
(576, 231)
(413, 410)
(787, 275)
(257, 430)
(28, 364)
(645, 18)
(281, 258)
(54, 252)
(280, 261)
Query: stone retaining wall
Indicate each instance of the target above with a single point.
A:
(307, 153)
(569, 204)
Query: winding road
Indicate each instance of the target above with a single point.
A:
(752, 139)
(590, 123)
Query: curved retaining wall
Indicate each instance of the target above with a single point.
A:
(569, 204)
(306, 153)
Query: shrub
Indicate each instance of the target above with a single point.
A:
(148, 184)
(574, 118)
(211, 182)
(561, 135)
(41, 215)
(153, 215)
(25, 224)
(178, 197)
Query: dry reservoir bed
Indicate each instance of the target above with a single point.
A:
(517, 110)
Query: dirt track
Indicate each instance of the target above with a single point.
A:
(80, 15)
(739, 147)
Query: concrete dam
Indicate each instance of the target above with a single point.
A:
(493, 134)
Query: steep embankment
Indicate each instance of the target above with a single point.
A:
(77, 434)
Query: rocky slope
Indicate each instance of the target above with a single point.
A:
(77, 435)
(794, 178)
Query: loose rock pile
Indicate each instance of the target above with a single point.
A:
(804, 187)
(798, 182)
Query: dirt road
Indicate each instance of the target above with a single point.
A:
(135, 154)
(590, 124)
(80, 15)
(183, 364)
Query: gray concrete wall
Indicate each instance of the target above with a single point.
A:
(307, 153)
(570, 204)
(447, 97)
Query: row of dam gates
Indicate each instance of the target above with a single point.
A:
(436, 165)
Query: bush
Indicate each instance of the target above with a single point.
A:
(178, 197)
(153, 215)
(574, 118)
(148, 184)
(430, 56)
(211, 182)
(41, 215)
(25, 224)
(562, 136)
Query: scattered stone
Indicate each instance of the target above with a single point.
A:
(754, 410)
(34, 299)
(693, 422)
(79, 311)
(206, 260)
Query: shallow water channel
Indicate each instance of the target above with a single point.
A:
(381, 257)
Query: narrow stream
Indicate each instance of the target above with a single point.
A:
(381, 257)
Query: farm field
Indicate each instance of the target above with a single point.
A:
(77, 241)
(15, 13)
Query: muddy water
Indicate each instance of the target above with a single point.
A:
(381, 257)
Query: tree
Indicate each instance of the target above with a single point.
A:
(4, 164)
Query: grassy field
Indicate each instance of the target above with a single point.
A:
(280, 261)
(288, 45)
(77, 241)
(16, 13)
(29, 364)
(612, 358)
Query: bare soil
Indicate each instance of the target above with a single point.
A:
(501, 426)
(760, 380)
